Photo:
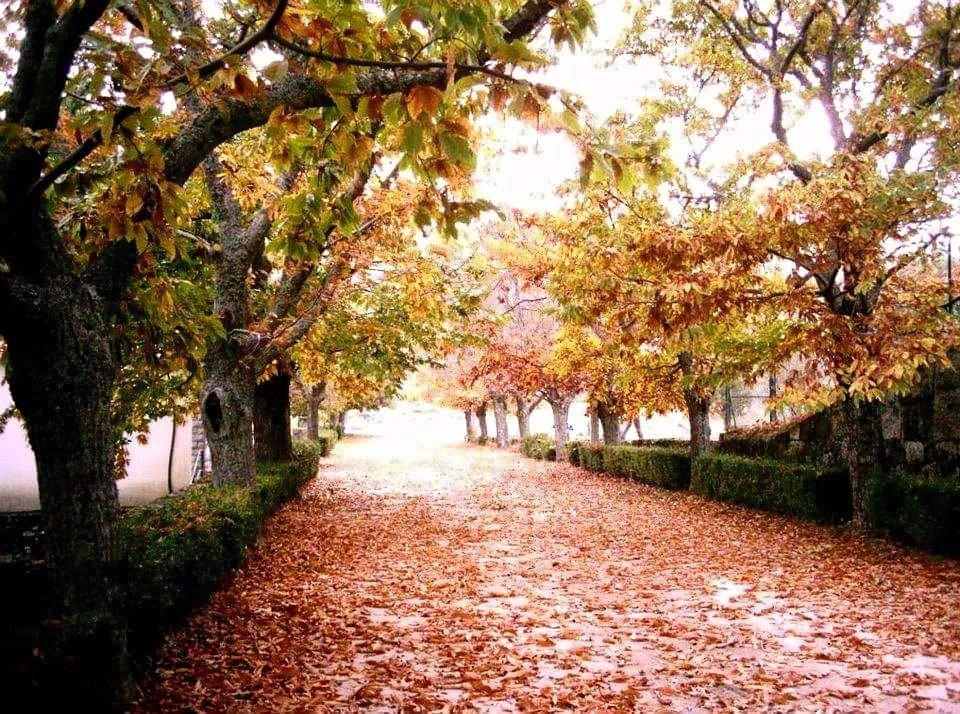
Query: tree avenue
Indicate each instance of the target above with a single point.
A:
(247, 209)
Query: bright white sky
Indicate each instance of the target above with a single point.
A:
(523, 168)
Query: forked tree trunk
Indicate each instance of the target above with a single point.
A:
(500, 420)
(610, 423)
(226, 400)
(594, 427)
(863, 450)
(271, 418)
(561, 426)
(471, 431)
(523, 417)
(314, 399)
(60, 370)
(638, 425)
(482, 421)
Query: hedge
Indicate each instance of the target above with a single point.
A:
(666, 468)
(920, 510)
(539, 446)
(175, 553)
(584, 454)
(327, 438)
(780, 486)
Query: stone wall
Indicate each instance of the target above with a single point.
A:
(922, 430)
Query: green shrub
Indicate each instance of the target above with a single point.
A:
(779, 486)
(679, 444)
(327, 439)
(590, 456)
(918, 510)
(666, 468)
(539, 446)
(175, 553)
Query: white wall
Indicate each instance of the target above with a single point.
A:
(146, 474)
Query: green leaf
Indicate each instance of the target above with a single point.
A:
(458, 150)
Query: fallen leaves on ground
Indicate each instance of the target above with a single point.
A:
(471, 579)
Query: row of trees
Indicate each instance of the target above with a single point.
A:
(654, 289)
(202, 203)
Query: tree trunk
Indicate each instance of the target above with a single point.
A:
(314, 400)
(610, 423)
(471, 431)
(594, 427)
(698, 409)
(227, 396)
(561, 426)
(342, 424)
(60, 369)
(698, 412)
(863, 450)
(638, 425)
(772, 384)
(271, 418)
(482, 421)
(500, 420)
(227, 409)
(523, 417)
(727, 409)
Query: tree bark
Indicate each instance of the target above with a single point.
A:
(772, 384)
(594, 427)
(227, 409)
(315, 397)
(610, 423)
(471, 431)
(271, 418)
(863, 449)
(342, 423)
(227, 396)
(561, 426)
(500, 420)
(727, 409)
(61, 374)
(523, 416)
(697, 401)
(482, 421)
(638, 425)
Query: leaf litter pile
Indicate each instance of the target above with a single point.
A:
(471, 579)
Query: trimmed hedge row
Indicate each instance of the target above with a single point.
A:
(666, 468)
(779, 486)
(175, 554)
(327, 439)
(539, 446)
(771, 485)
(918, 510)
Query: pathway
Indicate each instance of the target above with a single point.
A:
(456, 578)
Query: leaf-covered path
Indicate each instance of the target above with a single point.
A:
(419, 578)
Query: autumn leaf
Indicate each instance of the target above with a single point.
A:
(423, 100)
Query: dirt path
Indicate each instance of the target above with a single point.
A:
(461, 579)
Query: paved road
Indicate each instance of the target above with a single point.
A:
(424, 577)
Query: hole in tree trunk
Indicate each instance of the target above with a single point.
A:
(214, 411)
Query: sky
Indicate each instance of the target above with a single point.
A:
(523, 169)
